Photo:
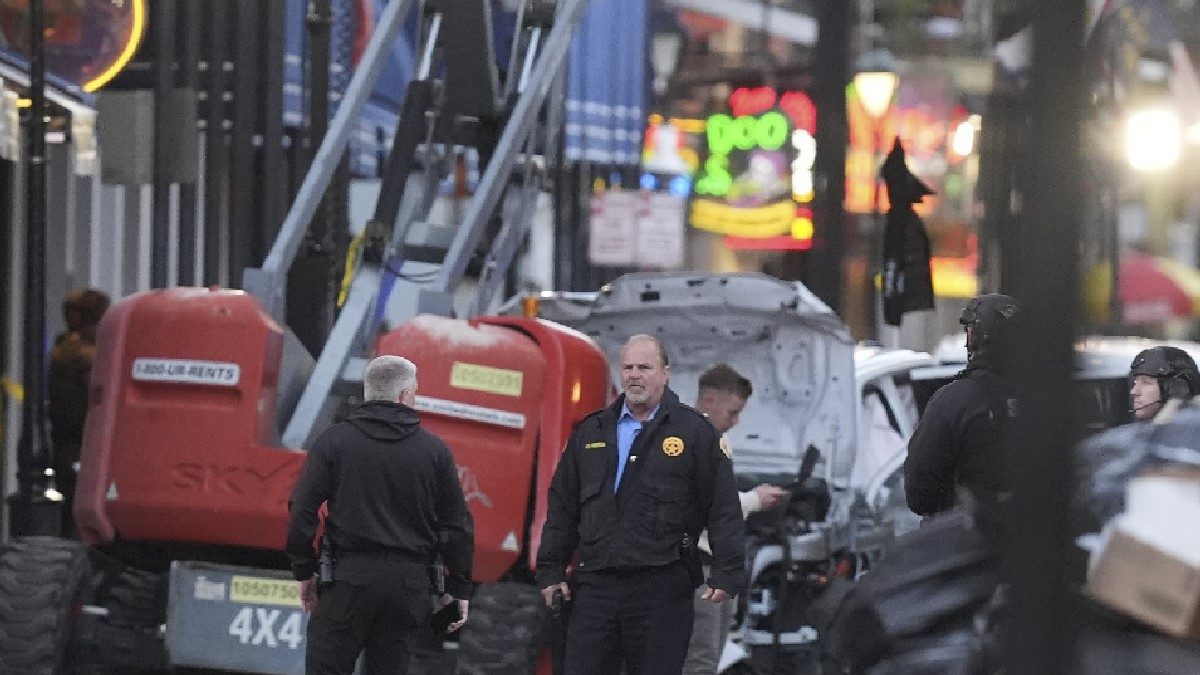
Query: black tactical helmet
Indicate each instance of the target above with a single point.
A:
(1174, 369)
(990, 317)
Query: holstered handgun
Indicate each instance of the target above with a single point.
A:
(560, 605)
(437, 576)
(690, 553)
(324, 563)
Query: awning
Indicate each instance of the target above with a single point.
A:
(1157, 289)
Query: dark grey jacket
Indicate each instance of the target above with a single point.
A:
(958, 442)
(391, 486)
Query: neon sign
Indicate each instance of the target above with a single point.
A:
(747, 133)
(670, 146)
(88, 43)
(757, 182)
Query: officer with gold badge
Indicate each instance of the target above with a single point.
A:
(636, 485)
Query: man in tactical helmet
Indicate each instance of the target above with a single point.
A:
(957, 442)
(1157, 375)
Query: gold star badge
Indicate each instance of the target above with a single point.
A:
(725, 447)
(673, 446)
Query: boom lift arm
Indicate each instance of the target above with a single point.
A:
(455, 83)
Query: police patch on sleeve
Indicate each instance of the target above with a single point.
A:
(728, 451)
(673, 446)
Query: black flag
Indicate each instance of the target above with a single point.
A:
(907, 280)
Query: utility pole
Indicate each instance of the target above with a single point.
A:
(832, 71)
(32, 512)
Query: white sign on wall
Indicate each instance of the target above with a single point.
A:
(660, 231)
(612, 239)
(632, 228)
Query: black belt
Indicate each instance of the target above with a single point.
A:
(633, 570)
(384, 554)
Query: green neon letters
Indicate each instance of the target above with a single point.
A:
(769, 131)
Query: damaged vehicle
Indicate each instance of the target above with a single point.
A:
(828, 420)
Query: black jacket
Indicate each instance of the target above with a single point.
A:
(391, 486)
(67, 387)
(958, 442)
(678, 480)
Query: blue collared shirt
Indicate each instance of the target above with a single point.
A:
(628, 428)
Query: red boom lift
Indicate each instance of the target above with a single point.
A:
(202, 402)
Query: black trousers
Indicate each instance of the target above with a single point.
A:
(379, 617)
(66, 453)
(641, 619)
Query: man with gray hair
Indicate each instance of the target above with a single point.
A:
(636, 484)
(395, 504)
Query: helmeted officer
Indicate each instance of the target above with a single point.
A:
(1159, 374)
(637, 483)
(394, 503)
(957, 442)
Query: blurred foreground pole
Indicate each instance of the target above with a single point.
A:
(824, 274)
(1042, 631)
(32, 512)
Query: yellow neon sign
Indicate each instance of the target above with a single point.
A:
(126, 55)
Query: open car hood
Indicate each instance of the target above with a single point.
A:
(797, 353)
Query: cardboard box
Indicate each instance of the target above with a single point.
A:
(1141, 580)
(1148, 562)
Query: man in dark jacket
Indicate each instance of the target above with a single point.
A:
(636, 485)
(394, 504)
(957, 443)
(67, 390)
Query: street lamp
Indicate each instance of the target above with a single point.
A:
(1152, 139)
(875, 90)
(875, 83)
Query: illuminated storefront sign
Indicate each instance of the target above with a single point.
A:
(672, 146)
(87, 41)
(756, 183)
(922, 117)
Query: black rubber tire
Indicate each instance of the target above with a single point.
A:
(43, 583)
(503, 631)
(125, 640)
(767, 661)
(134, 598)
(742, 667)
